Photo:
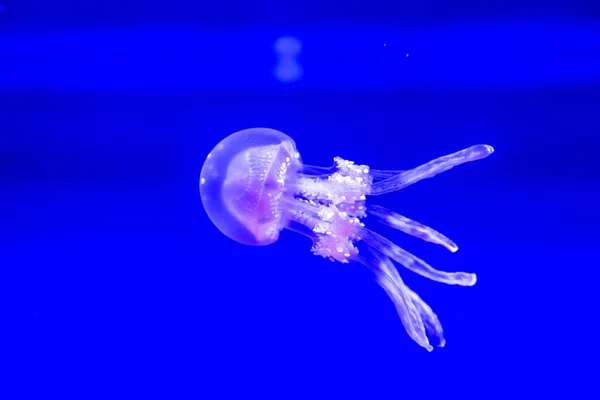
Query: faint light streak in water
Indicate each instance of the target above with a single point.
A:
(287, 69)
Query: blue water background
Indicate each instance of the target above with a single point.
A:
(116, 284)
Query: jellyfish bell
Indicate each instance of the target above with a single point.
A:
(253, 184)
(243, 181)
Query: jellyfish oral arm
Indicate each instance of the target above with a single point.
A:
(333, 206)
(380, 174)
(430, 169)
(415, 264)
(411, 227)
(418, 318)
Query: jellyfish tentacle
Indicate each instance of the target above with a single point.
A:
(406, 309)
(413, 263)
(411, 227)
(387, 277)
(430, 321)
(430, 169)
(432, 324)
(380, 174)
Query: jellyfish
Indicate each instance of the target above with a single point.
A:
(253, 185)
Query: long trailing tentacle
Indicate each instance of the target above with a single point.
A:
(416, 316)
(413, 263)
(411, 227)
(431, 169)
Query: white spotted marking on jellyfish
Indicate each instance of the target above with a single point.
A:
(259, 187)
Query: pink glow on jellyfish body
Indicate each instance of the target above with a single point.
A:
(253, 185)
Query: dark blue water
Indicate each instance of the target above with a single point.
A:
(115, 284)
